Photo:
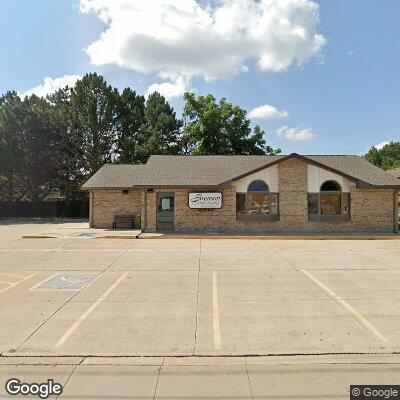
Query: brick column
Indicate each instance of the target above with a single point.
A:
(293, 190)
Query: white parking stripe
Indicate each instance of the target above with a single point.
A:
(78, 322)
(14, 275)
(217, 334)
(45, 280)
(17, 283)
(396, 270)
(359, 317)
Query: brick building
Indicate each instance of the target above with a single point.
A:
(294, 193)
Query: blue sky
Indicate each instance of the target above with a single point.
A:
(344, 97)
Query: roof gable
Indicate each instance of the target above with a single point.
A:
(213, 171)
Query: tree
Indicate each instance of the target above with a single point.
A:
(92, 122)
(25, 141)
(65, 158)
(131, 116)
(11, 129)
(388, 157)
(213, 127)
(37, 137)
(160, 132)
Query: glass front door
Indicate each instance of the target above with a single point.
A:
(165, 212)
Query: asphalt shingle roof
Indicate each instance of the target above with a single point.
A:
(395, 172)
(216, 170)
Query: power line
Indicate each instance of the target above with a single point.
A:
(359, 130)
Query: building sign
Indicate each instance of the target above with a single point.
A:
(205, 200)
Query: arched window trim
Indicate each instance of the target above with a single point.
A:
(258, 181)
(326, 204)
(268, 208)
(331, 191)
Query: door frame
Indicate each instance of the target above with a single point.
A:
(159, 194)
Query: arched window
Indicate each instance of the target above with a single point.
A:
(258, 186)
(331, 198)
(258, 203)
(258, 198)
(330, 186)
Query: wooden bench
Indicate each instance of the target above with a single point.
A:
(124, 219)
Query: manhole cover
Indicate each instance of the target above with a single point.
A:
(66, 281)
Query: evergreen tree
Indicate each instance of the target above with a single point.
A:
(131, 113)
(160, 132)
(92, 122)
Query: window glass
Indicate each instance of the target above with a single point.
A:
(241, 203)
(331, 204)
(274, 204)
(346, 203)
(258, 203)
(313, 203)
(258, 186)
(165, 204)
(330, 186)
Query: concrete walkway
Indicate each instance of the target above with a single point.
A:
(314, 377)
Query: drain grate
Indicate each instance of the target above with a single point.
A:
(73, 281)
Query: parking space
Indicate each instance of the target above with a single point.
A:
(171, 297)
(173, 318)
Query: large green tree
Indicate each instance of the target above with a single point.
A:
(92, 122)
(131, 116)
(26, 136)
(388, 157)
(11, 130)
(66, 158)
(160, 132)
(38, 172)
(221, 127)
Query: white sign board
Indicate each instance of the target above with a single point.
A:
(205, 200)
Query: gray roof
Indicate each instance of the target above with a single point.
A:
(218, 170)
(395, 172)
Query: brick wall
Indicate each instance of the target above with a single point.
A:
(371, 209)
(106, 203)
(292, 175)
(186, 219)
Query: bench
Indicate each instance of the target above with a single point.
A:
(124, 219)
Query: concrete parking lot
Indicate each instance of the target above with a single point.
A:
(199, 318)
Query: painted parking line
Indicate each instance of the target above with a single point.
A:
(44, 281)
(396, 270)
(11, 285)
(13, 275)
(344, 304)
(79, 321)
(216, 327)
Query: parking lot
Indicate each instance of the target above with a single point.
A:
(229, 310)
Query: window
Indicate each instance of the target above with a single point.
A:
(125, 191)
(257, 202)
(329, 202)
(331, 198)
(240, 203)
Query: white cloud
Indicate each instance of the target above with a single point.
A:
(267, 112)
(287, 133)
(214, 41)
(169, 90)
(51, 85)
(381, 145)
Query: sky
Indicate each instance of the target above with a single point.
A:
(320, 77)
